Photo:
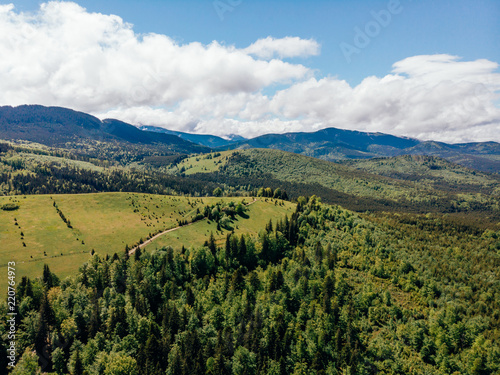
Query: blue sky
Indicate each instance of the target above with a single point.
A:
(466, 28)
(435, 64)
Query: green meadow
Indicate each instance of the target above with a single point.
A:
(36, 234)
(203, 163)
(259, 213)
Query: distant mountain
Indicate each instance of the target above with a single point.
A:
(201, 139)
(56, 126)
(236, 138)
(336, 144)
(332, 143)
(483, 156)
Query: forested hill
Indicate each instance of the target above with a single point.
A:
(404, 183)
(417, 184)
(333, 143)
(324, 291)
(336, 144)
(55, 126)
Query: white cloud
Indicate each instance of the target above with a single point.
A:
(286, 47)
(436, 68)
(63, 55)
(428, 97)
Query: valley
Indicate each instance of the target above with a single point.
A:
(145, 251)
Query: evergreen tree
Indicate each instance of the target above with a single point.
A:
(77, 364)
(211, 244)
(137, 254)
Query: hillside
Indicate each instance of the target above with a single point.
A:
(481, 156)
(62, 127)
(38, 233)
(336, 144)
(441, 186)
(430, 171)
(325, 292)
(27, 168)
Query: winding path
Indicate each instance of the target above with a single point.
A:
(147, 242)
(158, 235)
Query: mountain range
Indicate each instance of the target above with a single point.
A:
(336, 144)
(55, 126)
(201, 139)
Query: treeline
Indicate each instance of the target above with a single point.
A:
(353, 202)
(56, 179)
(22, 176)
(321, 292)
(358, 190)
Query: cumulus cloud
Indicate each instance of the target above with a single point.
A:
(427, 97)
(458, 107)
(286, 47)
(63, 55)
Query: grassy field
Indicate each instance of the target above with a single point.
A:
(203, 163)
(36, 234)
(47, 159)
(259, 213)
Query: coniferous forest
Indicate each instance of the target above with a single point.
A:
(324, 291)
(374, 266)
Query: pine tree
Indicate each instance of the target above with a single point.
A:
(286, 228)
(266, 248)
(211, 244)
(95, 318)
(77, 365)
(242, 249)
(47, 277)
(126, 252)
(318, 252)
(269, 226)
(46, 313)
(137, 254)
(228, 254)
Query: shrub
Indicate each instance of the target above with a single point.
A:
(10, 207)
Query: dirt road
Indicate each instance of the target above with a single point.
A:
(171, 230)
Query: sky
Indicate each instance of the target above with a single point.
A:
(416, 68)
